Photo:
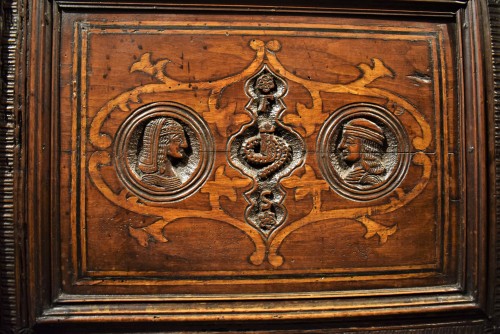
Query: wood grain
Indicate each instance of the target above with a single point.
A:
(86, 240)
(304, 115)
(494, 12)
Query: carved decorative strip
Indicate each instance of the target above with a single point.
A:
(9, 40)
(480, 328)
(494, 11)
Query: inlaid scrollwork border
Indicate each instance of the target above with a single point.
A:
(266, 52)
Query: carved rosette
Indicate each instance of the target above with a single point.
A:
(266, 150)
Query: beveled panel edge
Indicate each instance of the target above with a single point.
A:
(95, 283)
(472, 94)
(435, 8)
(445, 290)
(293, 310)
(97, 26)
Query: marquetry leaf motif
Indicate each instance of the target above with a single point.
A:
(373, 228)
(153, 232)
(218, 188)
(255, 150)
(307, 184)
(155, 70)
(308, 119)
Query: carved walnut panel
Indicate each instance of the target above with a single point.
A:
(257, 156)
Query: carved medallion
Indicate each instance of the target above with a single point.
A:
(364, 151)
(163, 152)
(266, 150)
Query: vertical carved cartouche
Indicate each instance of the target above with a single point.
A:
(266, 150)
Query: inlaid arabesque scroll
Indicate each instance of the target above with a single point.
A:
(164, 152)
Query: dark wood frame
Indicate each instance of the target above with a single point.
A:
(28, 288)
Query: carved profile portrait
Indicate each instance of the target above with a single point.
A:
(364, 151)
(164, 152)
(163, 140)
(362, 147)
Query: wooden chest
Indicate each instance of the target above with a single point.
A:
(254, 166)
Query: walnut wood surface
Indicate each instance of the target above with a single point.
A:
(494, 11)
(189, 166)
(115, 163)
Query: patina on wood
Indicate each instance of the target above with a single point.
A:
(265, 148)
(186, 165)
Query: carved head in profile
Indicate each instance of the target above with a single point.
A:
(163, 140)
(362, 147)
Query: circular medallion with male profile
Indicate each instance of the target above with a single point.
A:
(164, 152)
(363, 151)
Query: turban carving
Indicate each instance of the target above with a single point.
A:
(363, 128)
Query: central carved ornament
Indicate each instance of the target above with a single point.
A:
(266, 150)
